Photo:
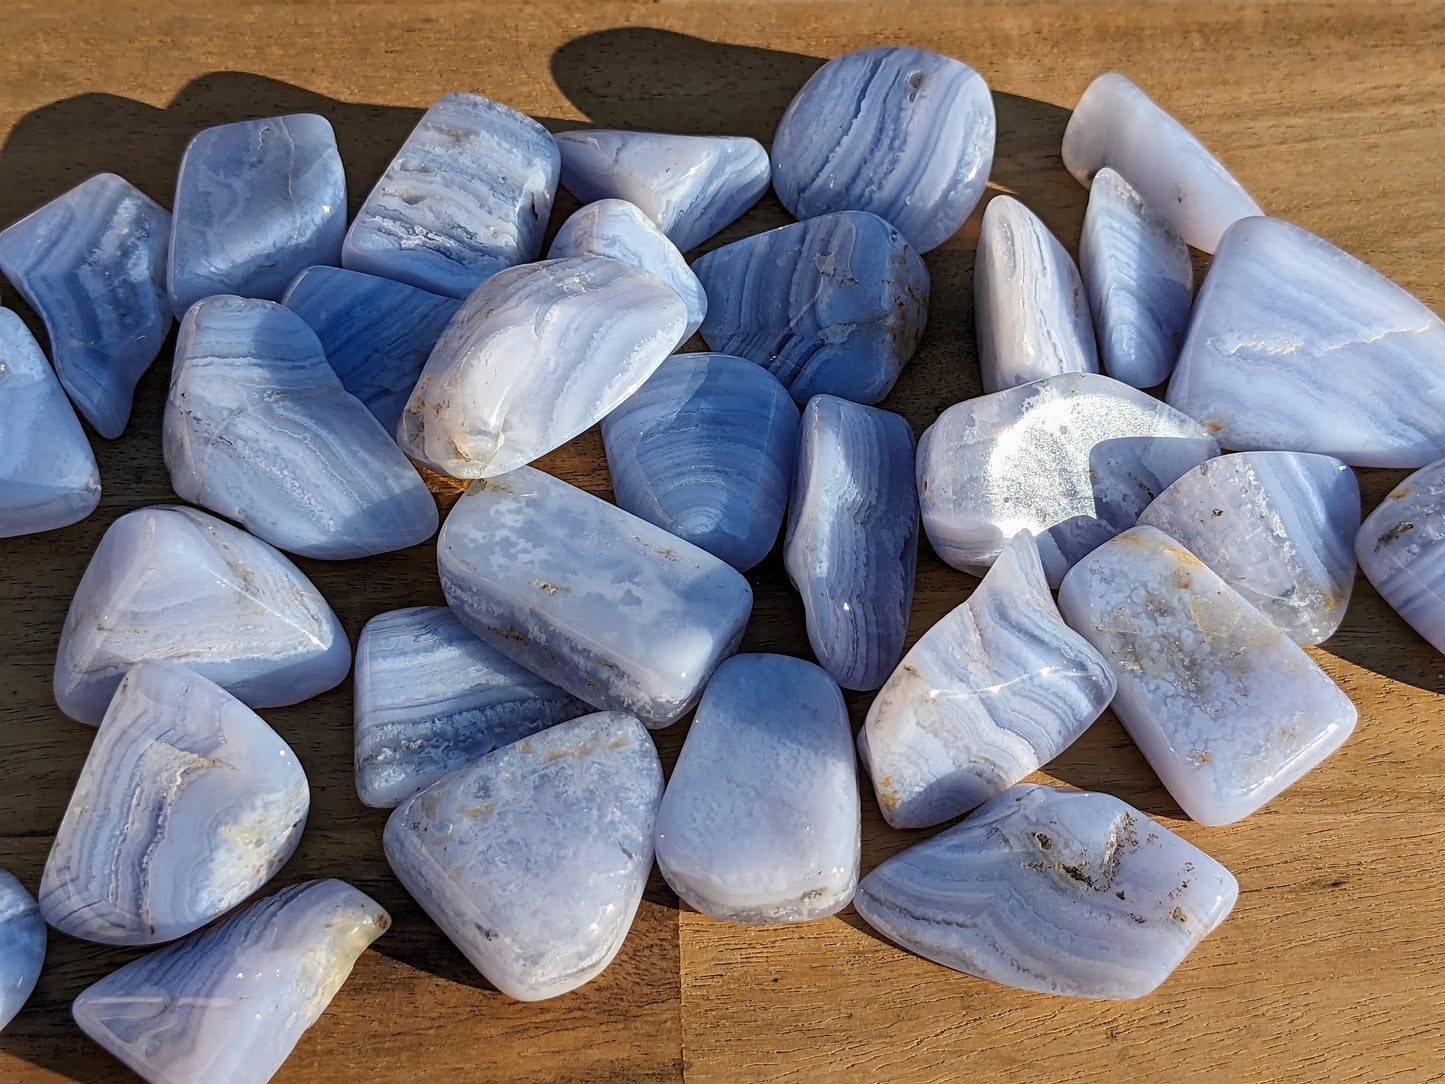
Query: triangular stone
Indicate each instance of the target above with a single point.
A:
(22, 946)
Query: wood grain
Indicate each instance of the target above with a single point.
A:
(1332, 115)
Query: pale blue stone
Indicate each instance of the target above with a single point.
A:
(705, 450)
(834, 305)
(1401, 549)
(257, 202)
(904, 133)
(92, 263)
(691, 186)
(259, 428)
(431, 697)
(22, 946)
(760, 822)
(610, 607)
(852, 542)
(468, 194)
(48, 476)
(228, 1005)
(376, 333)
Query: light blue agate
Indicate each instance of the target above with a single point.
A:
(92, 263)
(705, 450)
(834, 305)
(22, 946)
(257, 202)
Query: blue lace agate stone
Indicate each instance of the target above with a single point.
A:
(92, 263)
(256, 203)
(22, 946)
(705, 450)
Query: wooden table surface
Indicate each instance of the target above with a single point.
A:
(1329, 969)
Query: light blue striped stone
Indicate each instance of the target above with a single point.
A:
(1401, 549)
(22, 946)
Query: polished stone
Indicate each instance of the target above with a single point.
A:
(1117, 125)
(904, 133)
(1073, 459)
(533, 859)
(259, 428)
(760, 822)
(177, 584)
(256, 202)
(610, 607)
(228, 1005)
(1227, 709)
(188, 802)
(1278, 527)
(1055, 891)
(834, 305)
(1029, 307)
(690, 185)
(92, 263)
(1296, 345)
(997, 688)
(431, 697)
(468, 194)
(705, 450)
(22, 946)
(535, 356)
(1401, 549)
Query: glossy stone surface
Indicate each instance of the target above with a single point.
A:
(705, 450)
(852, 542)
(1401, 549)
(1140, 281)
(904, 133)
(690, 185)
(259, 428)
(834, 305)
(533, 859)
(1297, 345)
(760, 822)
(610, 607)
(188, 802)
(228, 1005)
(1117, 125)
(256, 202)
(376, 333)
(468, 194)
(616, 228)
(92, 263)
(1055, 891)
(1028, 302)
(22, 946)
(534, 357)
(177, 584)
(1278, 527)
(48, 476)
(1073, 459)
(996, 689)
(431, 697)
(1227, 709)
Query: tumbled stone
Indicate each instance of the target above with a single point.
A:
(1278, 527)
(256, 202)
(852, 542)
(22, 946)
(705, 450)
(533, 859)
(92, 263)
(904, 133)
(1296, 345)
(177, 584)
(760, 822)
(834, 305)
(1227, 709)
(1117, 125)
(48, 476)
(690, 185)
(259, 428)
(610, 607)
(229, 1004)
(431, 697)
(997, 688)
(468, 194)
(1055, 891)
(1401, 548)
(1074, 459)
